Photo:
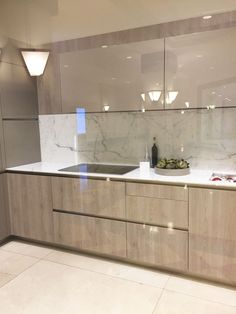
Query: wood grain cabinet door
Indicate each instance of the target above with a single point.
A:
(92, 234)
(4, 219)
(212, 226)
(30, 204)
(156, 211)
(88, 196)
(157, 246)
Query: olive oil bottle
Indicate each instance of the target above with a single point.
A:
(154, 153)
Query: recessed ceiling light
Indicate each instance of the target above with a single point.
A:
(104, 46)
(199, 56)
(187, 104)
(213, 93)
(129, 57)
(207, 17)
(182, 111)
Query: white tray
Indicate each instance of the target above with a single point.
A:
(172, 172)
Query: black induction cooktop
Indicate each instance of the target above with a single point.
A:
(99, 168)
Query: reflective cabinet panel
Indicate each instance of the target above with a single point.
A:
(115, 78)
(201, 70)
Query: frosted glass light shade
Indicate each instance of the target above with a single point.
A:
(154, 95)
(35, 61)
(171, 96)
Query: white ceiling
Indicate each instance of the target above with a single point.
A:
(55, 20)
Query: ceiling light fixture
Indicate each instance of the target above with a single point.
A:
(154, 95)
(143, 96)
(106, 107)
(171, 96)
(104, 46)
(207, 17)
(35, 60)
(129, 57)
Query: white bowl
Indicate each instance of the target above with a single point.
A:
(172, 172)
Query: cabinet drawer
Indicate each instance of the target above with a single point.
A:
(157, 246)
(168, 213)
(158, 191)
(89, 233)
(94, 197)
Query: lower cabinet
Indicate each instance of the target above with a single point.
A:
(157, 246)
(212, 230)
(4, 219)
(92, 234)
(30, 204)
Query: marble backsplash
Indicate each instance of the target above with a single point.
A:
(207, 139)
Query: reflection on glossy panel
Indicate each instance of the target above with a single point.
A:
(114, 78)
(201, 68)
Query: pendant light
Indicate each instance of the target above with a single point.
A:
(35, 60)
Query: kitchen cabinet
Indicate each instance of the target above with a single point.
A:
(212, 241)
(4, 217)
(157, 246)
(98, 235)
(164, 212)
(18, 92)
(30, 203)
(179, 193)
(120, 76)
(22, 142)
(88, 196)
(200, 69)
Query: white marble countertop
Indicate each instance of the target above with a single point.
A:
(195, 178)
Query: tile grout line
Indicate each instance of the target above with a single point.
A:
(100, 273)
(157, 303)
(162, 292)
(16, 276)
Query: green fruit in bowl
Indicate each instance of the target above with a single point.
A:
(171, 165)
(182, 164)
(162, 163)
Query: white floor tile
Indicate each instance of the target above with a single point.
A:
(202, 290)
(177, 303)
(50, 288)
(114, 269)
(14, 264)
(5, 278)
(26, 249)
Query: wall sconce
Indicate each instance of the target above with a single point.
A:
(35, 60)
(171, 96)
(106, 108)
(143, 96)
(154, 95)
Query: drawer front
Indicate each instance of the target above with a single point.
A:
(94, 197)
(168, 213)
(157, 246)
(92, 234)
(158, 191)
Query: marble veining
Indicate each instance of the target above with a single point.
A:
(207, 139)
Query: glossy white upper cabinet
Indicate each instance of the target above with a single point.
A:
(124, 77)
(200, 70)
